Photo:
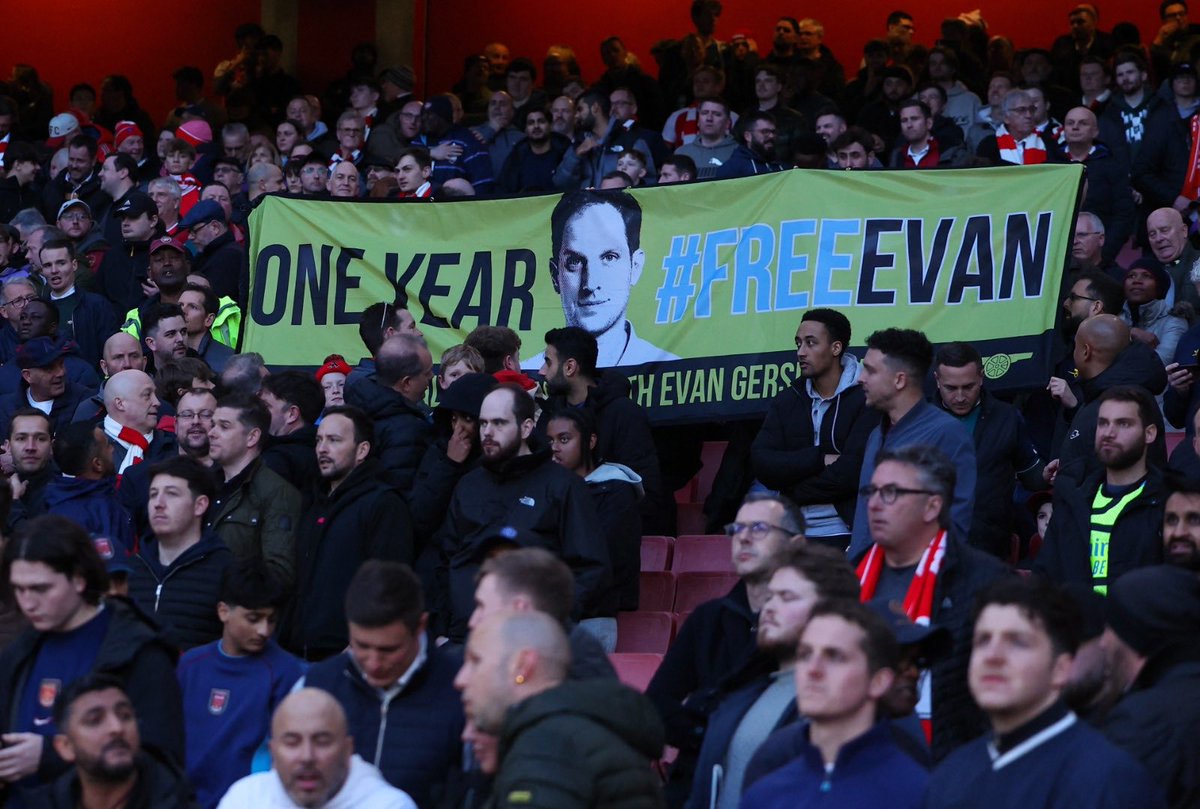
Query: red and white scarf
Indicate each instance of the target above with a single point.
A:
(134, 443)
(918, 602)
(1191, 183)
(1028, 151)
(918, 605)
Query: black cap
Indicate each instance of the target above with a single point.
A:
(136, 203)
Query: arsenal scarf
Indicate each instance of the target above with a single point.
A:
(1191, 183)
(918, 605)
(1029, 151)
(135, 443)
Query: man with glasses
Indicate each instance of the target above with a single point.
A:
(720, 635)
(75, 220)
(14, 295)
(918, 560)
(220, 259)
(1087, 248)
(1016, 141)
(351, 135)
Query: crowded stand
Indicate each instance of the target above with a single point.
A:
(490, 576)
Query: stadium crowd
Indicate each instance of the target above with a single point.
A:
(232, 587)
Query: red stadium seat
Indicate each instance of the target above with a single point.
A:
(656, 552)
(656, 591)
(644, 631)
(703, 552)
(693, 589)
(635, 669)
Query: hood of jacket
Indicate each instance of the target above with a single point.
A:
(615, 472)
(379, 401)
(851, 370)
(607, 703)
(63, 488)
(1137, 364)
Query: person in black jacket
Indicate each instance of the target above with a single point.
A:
(756, 153)
(85, 317)
(1105, 358)
(79, 179)
(523, 488)
(1003, 449)
(29, 434)
(358, 518)
(295, 401)
(395, 684)
(17, 190)
(530, 166)
(1112, 522)
(74, 631)
(1160, 166)
(99, 736)
(811, 444)
(177, 570)
(1154, 617)
(622, 428)
(44, 382)
(221, 260)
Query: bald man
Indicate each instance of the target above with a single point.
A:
(131, 406)
(313, 764)
(565, 744)
(1105, 357)
(1108, 193)
(1167, 234)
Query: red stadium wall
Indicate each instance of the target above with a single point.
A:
(80, 40)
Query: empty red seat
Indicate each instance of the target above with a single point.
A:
(702, 552)
(643, 631)
(656, 590)
(693, 589)
(656, 552)
(635, 669)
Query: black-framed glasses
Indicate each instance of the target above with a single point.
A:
(1072, 297)
(889, 493)
(757, 530)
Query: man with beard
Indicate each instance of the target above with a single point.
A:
(98, 734)
(756, 153)
(765, 695)
(1181, 524)
(354, 516)
(79, 180)
(164, 332)
(621, 425)
(1112, 522)
(75, 220)
(603, 140)
(520, 487)
(530, 167)
(1129, 110)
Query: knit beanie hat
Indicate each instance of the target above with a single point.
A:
(125, 130)
(333, 364)
(1152, 608)
(195, 132)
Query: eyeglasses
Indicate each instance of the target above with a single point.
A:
(350, 130)
(1024, 110)
(1079, 235)
(75, 217)
(314, 170)
(1071, 298)
(190, 415)
(757, 530)
(889, 493)
(20, 303)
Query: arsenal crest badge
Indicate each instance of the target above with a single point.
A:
(218, 700)
(48, 692)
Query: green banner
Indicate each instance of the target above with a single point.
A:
(694, 291)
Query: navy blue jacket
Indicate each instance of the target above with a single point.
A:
(744, 162)
(91, 324)
(62, 411)
(93, 504)
(183, 596)
(870, 770)
(412, 736)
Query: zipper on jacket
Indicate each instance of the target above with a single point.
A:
(157, 595)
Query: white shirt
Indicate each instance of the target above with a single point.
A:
(364, 789)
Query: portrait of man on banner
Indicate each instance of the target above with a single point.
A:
(597, 259)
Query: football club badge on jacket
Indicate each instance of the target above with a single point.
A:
(218, 700)
(48, 692)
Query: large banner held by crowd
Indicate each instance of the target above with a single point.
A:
(693, 291)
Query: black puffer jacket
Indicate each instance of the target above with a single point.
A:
(786, 455)
(1136, 365)
(294, 457)
(581, 745)
(550, 508)
(403, 431)
(135, 652)
(182, 596)
(361, 519)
